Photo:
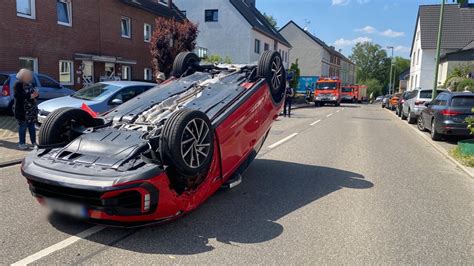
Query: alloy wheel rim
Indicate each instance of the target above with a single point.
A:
(195, 143)
(277, 70)
(420, 123)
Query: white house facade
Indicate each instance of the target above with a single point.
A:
(233, 29)
(458, 32)
(315, 57)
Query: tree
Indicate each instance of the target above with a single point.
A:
(215, 58)
(457, 75)
(372, 62)
(170, 38)
(271, 20)
(400, 64)
(373, 86)
(295, 70)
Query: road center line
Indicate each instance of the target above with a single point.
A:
(315, 122)
(282, 141)
(60, 245)
(328, 115)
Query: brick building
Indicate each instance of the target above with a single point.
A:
(81, 41)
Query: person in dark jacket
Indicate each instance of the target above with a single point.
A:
(25, 107)
(289, 94)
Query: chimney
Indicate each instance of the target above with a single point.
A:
(170, 4)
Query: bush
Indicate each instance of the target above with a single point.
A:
(465, 83)
(373, 86)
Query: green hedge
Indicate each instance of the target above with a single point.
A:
(467, 82)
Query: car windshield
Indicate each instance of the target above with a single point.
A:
(326, 85)
(427, 94)
(346, 89)
(463, 101)
(95, 91)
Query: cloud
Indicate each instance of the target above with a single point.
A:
(340, 2)
(367, 29)
(387, 33)
(391, 33)
(343, 42)
(401, 49)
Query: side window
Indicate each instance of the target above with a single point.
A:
(47, 82)
(127, 94)
(443, 99)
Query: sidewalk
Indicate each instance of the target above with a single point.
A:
(9, 152)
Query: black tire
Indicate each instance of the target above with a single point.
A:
(271, 68)
(410, 118)
(186, 134)
(435, 135)
(420, 123)
(56, 129)
(182, 62)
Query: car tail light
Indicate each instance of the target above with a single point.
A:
(419, 102)
(448, 112)
(6, 90)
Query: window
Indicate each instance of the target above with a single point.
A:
(462, 101)
(201, 52)
(126, 94)
(48, 82)
(110, 69)
(25, 8)
(126, 72)
(126, 27)
(257, 46)
(29, 63)
(211, 15)
(66, 72)
(413, 59)
(418, 57)
(147, 32)
(266, 47)
(63, 8)
(147, 74)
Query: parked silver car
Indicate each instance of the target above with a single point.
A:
(415, 103)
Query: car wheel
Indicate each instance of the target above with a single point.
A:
(187, 142)
(434, 135)
(402, 115)
(182, 63)
(411, 119)
(59, 127)
(420, 124)
(271, 68)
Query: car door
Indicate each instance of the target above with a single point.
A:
(434, 108)
(49, 88)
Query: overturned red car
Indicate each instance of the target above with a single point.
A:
(163, 153)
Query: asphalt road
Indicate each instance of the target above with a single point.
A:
(356, 187)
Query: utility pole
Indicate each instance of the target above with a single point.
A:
(438, 49)
(391, 68)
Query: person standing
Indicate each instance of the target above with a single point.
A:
(289, 94)
(25, 107)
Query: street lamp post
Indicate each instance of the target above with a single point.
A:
(390, 88)
(438, 49)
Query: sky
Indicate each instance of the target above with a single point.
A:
(342, 23)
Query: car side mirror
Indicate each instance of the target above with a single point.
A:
(116, 102)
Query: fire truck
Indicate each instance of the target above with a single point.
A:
(348, 94)
(360, 93)
(328, 90)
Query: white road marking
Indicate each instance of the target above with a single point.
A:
(328, 115)
(60, 245)
(282, 141)
(315, 122)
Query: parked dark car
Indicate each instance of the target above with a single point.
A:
(47, 86)
(405, 96)
(445, 115)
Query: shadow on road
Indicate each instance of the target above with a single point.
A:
(247, 214)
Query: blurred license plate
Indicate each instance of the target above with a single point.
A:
(68, 208)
